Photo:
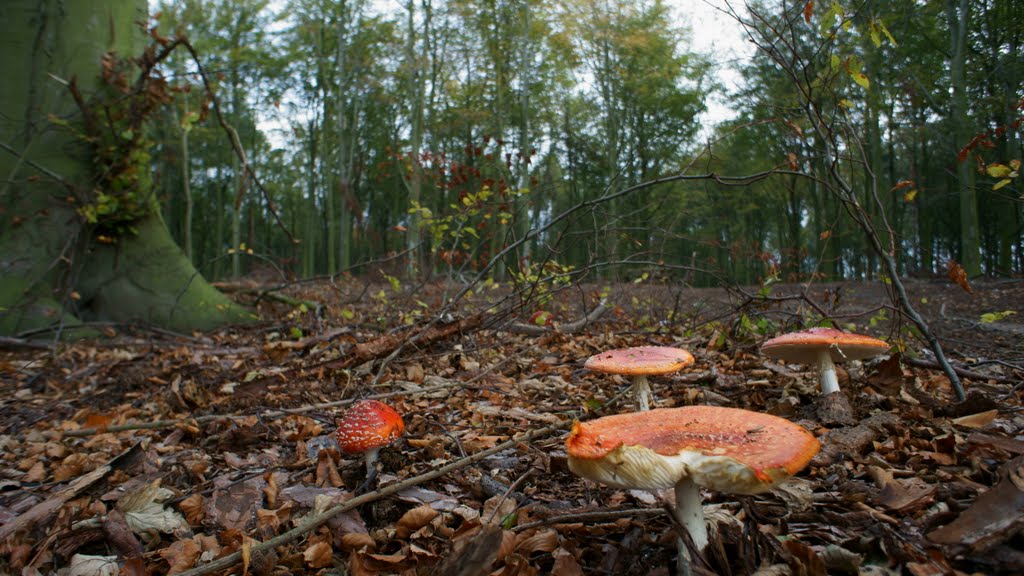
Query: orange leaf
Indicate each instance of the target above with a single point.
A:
(901, 185)
(957, 274)
(98, 421)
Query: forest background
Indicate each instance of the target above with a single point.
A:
(449, 130)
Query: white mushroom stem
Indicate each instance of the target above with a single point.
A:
(642, 392)
(371, 459)
(827, 372)
(690, 514)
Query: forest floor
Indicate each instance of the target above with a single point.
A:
(154, 452)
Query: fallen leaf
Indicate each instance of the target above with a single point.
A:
(318, 555)
(357, 541)
(181, 555)
(541, 541)
(474, 552)
(83, 565)
(145, 513)
(979, 420)
(565, 564)
(415, 519)
(994, 517)
(906, 495)
(192, 507)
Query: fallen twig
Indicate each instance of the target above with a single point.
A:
(593, 516)
(315, 521)
(933, 365)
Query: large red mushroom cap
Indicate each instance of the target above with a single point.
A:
(640, 360)
(369, 425)
(724, 449)
(803, 347)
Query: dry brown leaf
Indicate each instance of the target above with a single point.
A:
(36, 473)
(270, 490)
(395, 558)
(70, 467)
(979, 420)
(318, 555)
(358, 566)
(473, 552)
(192, 508)
(357, 541)
(267, 522)
(994, 517)
(906, 495)
(414, 519)
(327, 471)
(497, 508)
(414, 372)
(246, 554)
(540, 541)
(181, 555)
(508, 545)
(803, 559)
(565, 564)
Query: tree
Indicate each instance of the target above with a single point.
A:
(81, 235)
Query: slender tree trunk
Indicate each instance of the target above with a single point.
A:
(520, 206)
(186, 187)
(415, 95)
(958, 15)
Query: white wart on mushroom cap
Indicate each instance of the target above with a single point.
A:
(822, 347)
(640, 362)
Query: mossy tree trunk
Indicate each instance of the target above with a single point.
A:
(56, 270)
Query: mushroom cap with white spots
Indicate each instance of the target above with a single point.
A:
(367, 425)
(724, 449)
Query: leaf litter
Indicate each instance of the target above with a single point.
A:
(155, 453)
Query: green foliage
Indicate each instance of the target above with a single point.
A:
(990, 317)
(116, 125)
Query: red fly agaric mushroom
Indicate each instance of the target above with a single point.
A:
(368, 426)
(639, 363)
(723, 449)
(823, 347)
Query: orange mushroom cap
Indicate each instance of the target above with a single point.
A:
(802, 347)
(640, 360)
(724, 449)
(368, 425)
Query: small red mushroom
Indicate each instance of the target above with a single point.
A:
(368, 426)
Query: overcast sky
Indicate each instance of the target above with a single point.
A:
(721, 38)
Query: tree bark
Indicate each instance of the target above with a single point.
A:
(55, 270)
(957, 13)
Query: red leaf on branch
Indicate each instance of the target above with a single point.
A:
(957, 274)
